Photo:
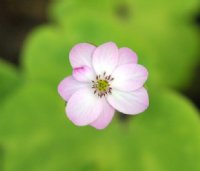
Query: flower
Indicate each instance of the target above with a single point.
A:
(104, 79)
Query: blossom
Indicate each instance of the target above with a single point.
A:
(104, 79)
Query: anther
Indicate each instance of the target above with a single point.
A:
(102, 85)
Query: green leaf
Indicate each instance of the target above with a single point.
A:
(165, 137)
(1, 157)
(45, 57)
(9, 79)
(38, 136)
(161, 32)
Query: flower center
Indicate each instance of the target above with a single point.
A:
(101, 85)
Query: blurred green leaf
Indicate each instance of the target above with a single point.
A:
(46, 57)
(37, 136)
(46, 51)
(166, 137)
(1, 158)
(35, 133)
(9, 79)
(161, 32)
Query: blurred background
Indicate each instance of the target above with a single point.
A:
(35, 39)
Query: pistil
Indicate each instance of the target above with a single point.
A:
(102, 85)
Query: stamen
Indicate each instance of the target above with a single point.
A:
(102, 85)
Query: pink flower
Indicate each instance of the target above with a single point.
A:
(104, 79)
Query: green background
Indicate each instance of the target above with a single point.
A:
(34, 131)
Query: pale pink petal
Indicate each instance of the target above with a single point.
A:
(129, 77)
(84, 107)
(68, 86)
(105, 117)
(105, 58)
(132, 103)
(83, 74)
(81, 54)
(127, 56)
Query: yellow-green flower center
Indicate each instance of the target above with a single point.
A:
(102, 85)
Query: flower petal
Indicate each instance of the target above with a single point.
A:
(129, 77)
(105, 58)
(132, 103)
(84, 107)
(81, 54)
(83, 74)
(105, 118)
(127, 56)
(68, 86)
